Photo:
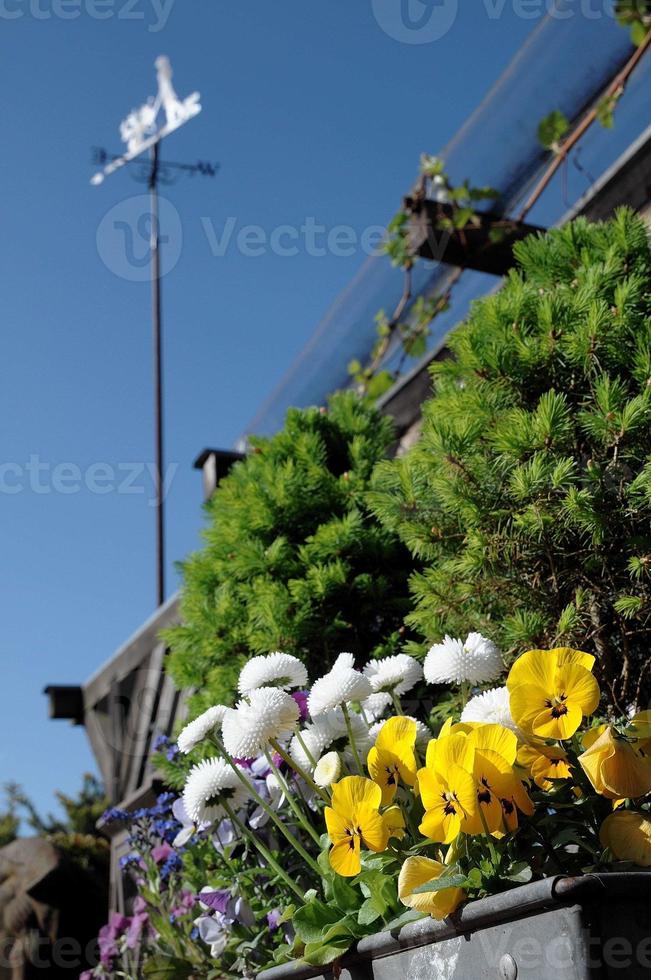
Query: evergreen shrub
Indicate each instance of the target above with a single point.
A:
(527, 501)
(293, 558)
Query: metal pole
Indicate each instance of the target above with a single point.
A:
(158, 376)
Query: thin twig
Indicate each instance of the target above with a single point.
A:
(589, 118)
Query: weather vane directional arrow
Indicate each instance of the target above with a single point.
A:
(143, 130)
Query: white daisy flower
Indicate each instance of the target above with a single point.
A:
(341, 685)
(454, 662)
(273, 670)
(315, 739)
(375, 705)
(267, 713)
(395, 675)
(196, 730)
(209, 785)
(329, 731)
(423, 734)
(328, 770)
(491, 708)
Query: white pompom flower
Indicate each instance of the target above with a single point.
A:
(394, 675)
(195, 731)
(211, 784)
(491, 708)
(273, 670)
(267, 713)
(329, 731)
(376, 705)
(328, 770)
(454, 661)
(341, 685)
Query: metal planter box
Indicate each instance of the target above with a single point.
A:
(595, 927)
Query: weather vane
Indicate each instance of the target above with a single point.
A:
(144, 130)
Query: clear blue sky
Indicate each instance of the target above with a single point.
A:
(314, 111)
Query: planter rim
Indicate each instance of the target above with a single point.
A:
(517, 903)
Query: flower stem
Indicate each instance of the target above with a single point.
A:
(489, 839)
(397, 704)
(300, 816)
(301, 742)
(265, 853)
(298, 847)
(351, 739)
(298, 769)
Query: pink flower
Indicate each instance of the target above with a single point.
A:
(161, 852)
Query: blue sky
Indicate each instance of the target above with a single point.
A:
(316, 113)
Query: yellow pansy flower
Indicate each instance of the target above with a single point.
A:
(628, 835)
(640, 730)
(394, 819)
(614, 767)
(545, 763)
(551, 691)
(500, 791)
(392, 758)
(417, 871)
(354, 819)
(447, 787)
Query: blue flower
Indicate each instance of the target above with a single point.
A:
(113, 813)
(128, 859)
(172, 864)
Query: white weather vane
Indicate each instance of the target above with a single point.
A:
(142, 128)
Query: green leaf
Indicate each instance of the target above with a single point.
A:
(552, 129)
(320, 954)
(638, 33)
(344, 895)
(380, 383)
(446, 881)
(520, 873)
(410, 915)
(313, 919)
(167, 968)
(368, 913)
(475, 878)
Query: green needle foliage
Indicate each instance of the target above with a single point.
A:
(528, 498)
(293, 558)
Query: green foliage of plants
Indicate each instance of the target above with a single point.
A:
(636, 15)
(528, 497)
(75, 834)
(293, 558)
(552, 129)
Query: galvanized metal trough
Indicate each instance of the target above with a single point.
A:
(594, 927)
